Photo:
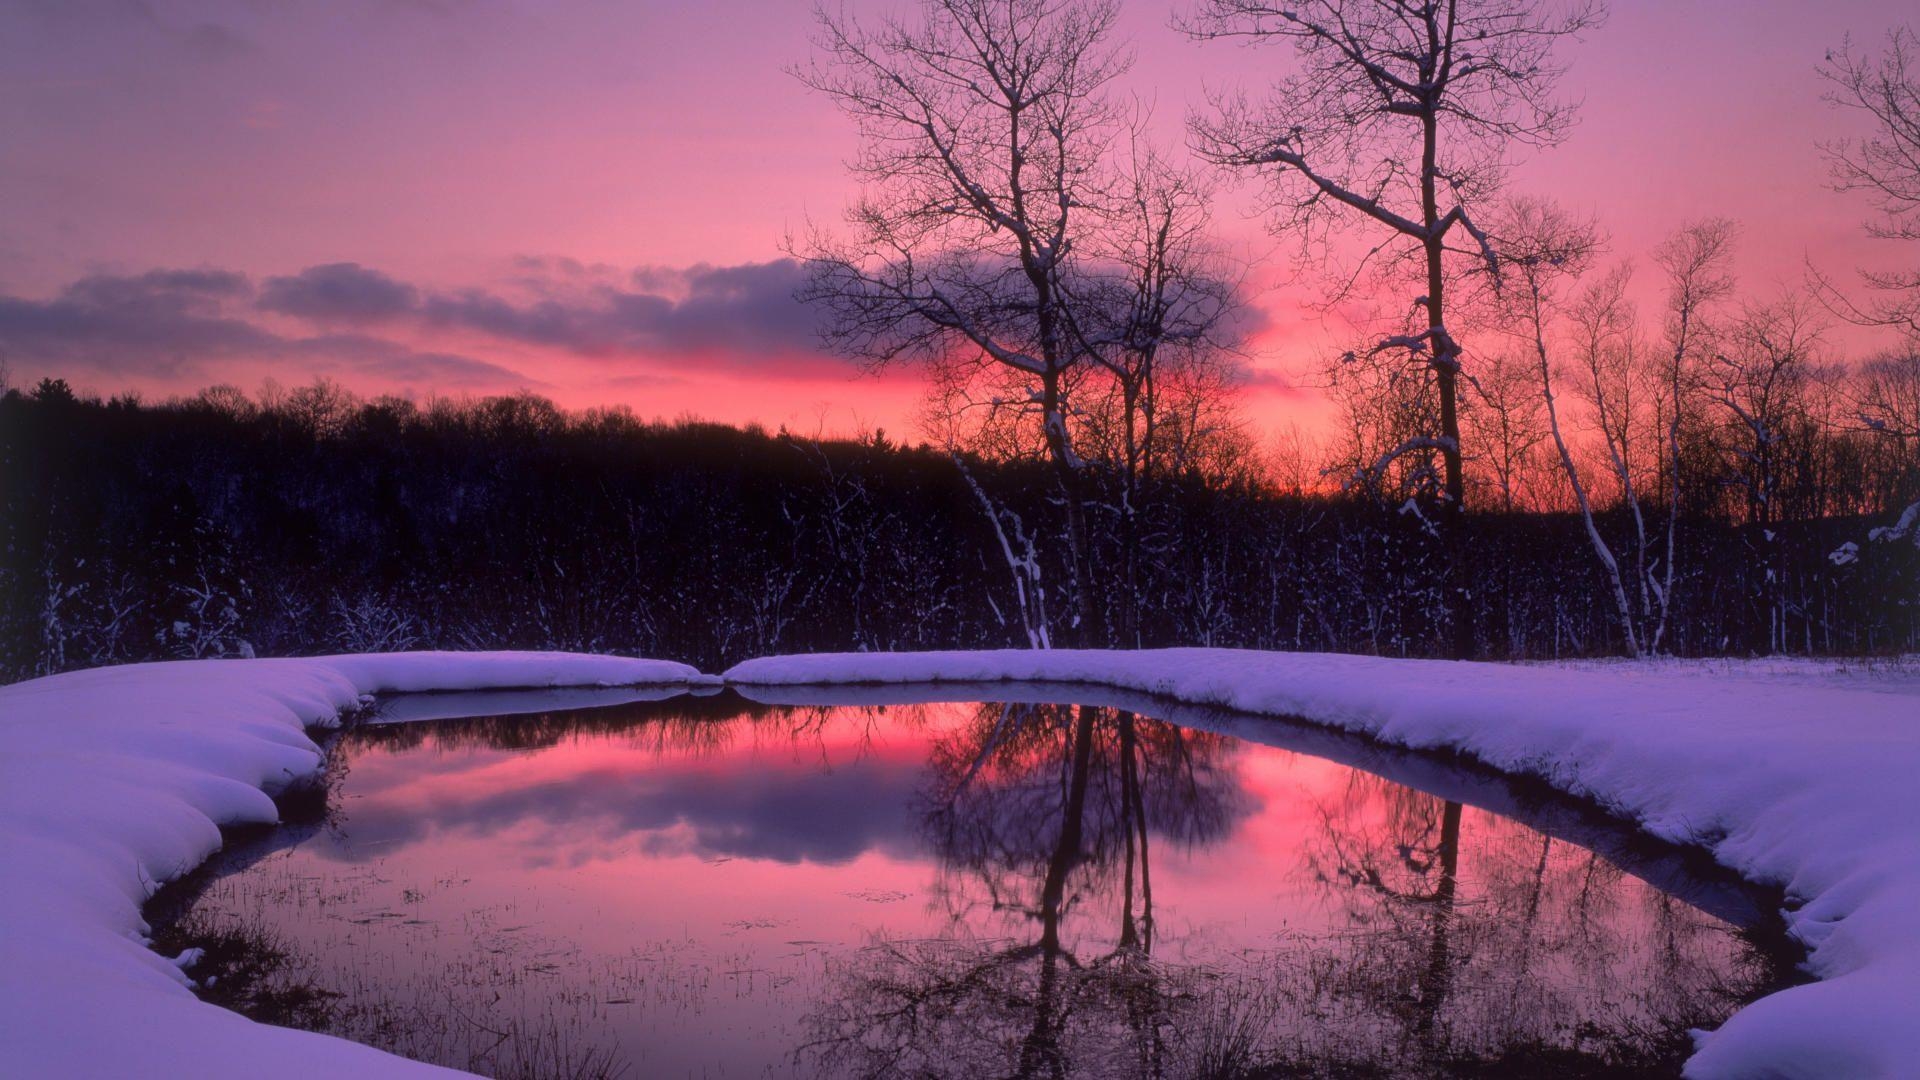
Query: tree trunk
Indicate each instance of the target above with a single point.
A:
(1446, 369)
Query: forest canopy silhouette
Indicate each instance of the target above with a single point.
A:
(314, 521)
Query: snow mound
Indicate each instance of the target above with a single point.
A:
(116, 779)
(1803, 775)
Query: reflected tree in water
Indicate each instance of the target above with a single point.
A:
(1044, 820)
(1483, 942)
(1473, 942)
(1029, 800)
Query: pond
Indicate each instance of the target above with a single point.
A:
(582, 884)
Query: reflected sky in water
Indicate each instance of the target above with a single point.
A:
(714, 888)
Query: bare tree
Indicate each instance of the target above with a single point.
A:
(1888, 401)
(1386, 413)
(1544, 249)
(1885, 165)
(1695, 263)
(984, 129)
(1154, 312)
(1023, 563)
(1508, 424)
(1402, 114)
(1759, 379)
(321, 408)
(1607, 347)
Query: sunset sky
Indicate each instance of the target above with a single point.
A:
(588, 199)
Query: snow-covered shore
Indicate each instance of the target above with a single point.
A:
(1793, 774)
(116, 778)
(1799, 775)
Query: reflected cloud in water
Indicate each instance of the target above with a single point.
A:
(779, 812)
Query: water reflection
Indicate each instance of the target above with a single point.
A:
(707, 886)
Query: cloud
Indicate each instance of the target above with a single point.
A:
(159, 321)
(339, 293)
(648, 326)
(743, 809)
(174, 321)
(544, 322)
(177, 322)
(746, 313)
(751, 303)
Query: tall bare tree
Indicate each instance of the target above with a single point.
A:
(1696, 265)
(1760, 380)
(984, 126)
(1402, 115)
(1545, 250)
(1154, 311)
(1885, 165)
(1610, 355)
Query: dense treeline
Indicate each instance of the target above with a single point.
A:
(221, 526)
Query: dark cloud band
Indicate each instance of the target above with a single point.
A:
(175, 322)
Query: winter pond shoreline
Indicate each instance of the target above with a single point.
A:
(1457, 719)
(274, 980)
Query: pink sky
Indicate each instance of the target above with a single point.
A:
(475, 159)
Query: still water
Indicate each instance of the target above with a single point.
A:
(711, 887)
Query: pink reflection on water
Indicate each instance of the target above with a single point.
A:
(782, 892)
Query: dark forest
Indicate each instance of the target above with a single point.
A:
(218, 526)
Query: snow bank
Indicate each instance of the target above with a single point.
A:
(114, 779)
(1798, 775)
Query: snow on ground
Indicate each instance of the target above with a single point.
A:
(114, 779)
(1805, 775)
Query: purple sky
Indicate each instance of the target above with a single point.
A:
(588, 198)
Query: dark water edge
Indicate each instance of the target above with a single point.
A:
(242, 964)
